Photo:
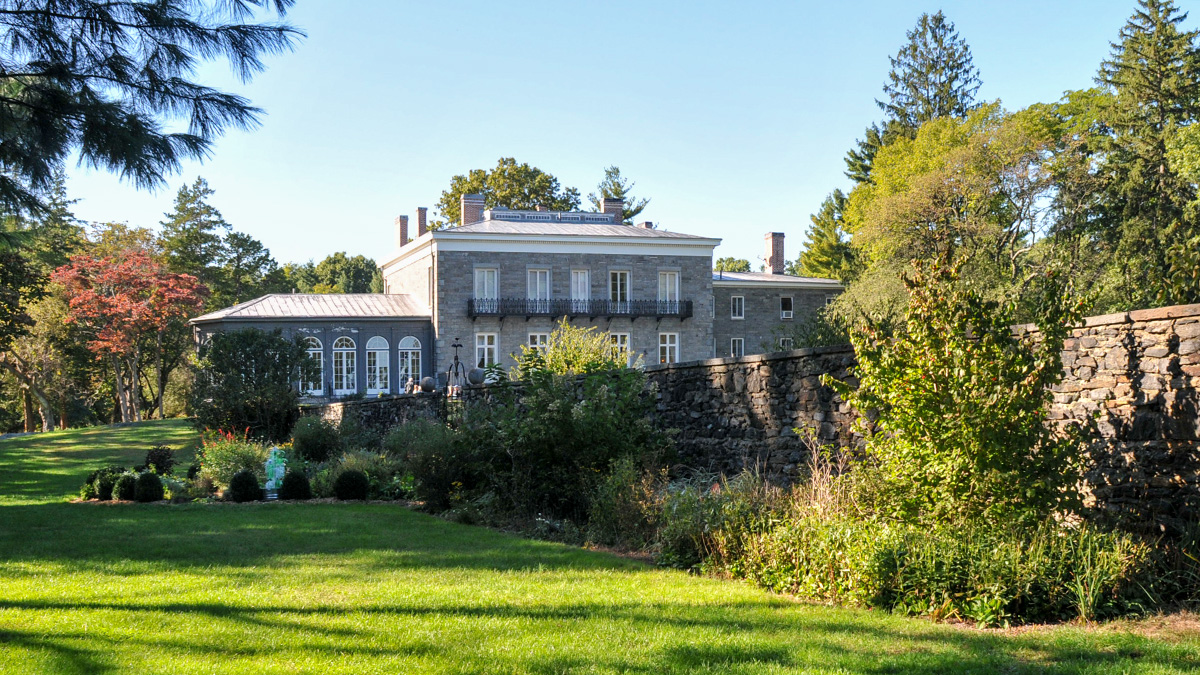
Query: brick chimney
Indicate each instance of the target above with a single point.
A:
(471, 209)
(422, 224)
(775, 260)
(401, 230)
(616, 207)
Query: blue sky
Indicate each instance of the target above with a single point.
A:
(732, 117)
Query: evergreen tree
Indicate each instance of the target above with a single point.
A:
(827, 253)
(614, 186)
(107, 79)
(1154, 76)
(193, 236)
(932, 76)
(249, 270)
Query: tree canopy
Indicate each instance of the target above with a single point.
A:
(109, 80)
(730, 264)
(510, 185)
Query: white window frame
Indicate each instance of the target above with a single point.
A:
(618, 291)
(539, 341)
(345, 366)
(317, 353)
(668, 347)
(787, 313)
(409, 353)
(538, 283)
(620, 343)
(737, 307)
(786, 344)
(487, 349)
(581, 290)
(668, 291)
(737, 346)
(487, 289)
(378, 365)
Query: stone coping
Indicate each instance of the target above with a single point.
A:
(753, 358)
(372, 399)
(1137, 315)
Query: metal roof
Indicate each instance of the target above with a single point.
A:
(754, 278)
(321, 306)
(580, 229)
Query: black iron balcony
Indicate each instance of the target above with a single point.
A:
(526, 307)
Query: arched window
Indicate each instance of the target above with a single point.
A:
(410, 360)
(377, 365)
(345, 377)
(315, 384)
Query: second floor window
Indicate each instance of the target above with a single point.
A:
(581, 289)
(486, 286)
(539, 341)
(786, 343)
(785, 307)
(668, 286)
(737, 307)
(539, 289)
(618, 288)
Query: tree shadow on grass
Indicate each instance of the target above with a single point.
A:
(744, 637)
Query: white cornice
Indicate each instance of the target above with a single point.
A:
(816, 284)
(449, 240)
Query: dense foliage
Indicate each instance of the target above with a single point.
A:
(295, 486)
(244, 487)
(314, 439)
(352, 484)
(246, 379)
(149, 487)
(222, 454)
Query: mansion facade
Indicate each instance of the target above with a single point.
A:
(504, 278)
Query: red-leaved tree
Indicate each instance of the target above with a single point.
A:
(121, 301)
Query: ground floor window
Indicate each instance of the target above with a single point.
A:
(539, 341)
(619, 343)
(316, 385)
(668, 347)
(785, 343)
(485, 349)
(737, 347)
(377, 366)
(345, 375)
(410, 362)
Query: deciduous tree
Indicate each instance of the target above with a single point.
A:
(731, 264)
(120, 300)
(509, 184)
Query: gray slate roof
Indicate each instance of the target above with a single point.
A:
(775, 278)
(569, 229)
(321, 306)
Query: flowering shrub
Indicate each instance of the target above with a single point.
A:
(223, 453)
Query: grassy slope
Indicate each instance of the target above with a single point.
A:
(337, 588)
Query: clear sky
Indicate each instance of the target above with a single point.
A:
(732, 117)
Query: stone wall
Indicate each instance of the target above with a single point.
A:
(381, 413)
(1130, 380)
(734, 413)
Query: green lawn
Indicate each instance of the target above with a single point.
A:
(337, 588)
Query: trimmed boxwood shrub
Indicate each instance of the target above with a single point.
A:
(314, 439)
(149, 488)
(244, 487)
(124, 487)
(102, 482)
(351, 485)
(295, 486)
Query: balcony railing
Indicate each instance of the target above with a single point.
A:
(566, 307)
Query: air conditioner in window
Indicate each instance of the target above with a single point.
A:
(785, 314)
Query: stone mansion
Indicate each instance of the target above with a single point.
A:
(503, 278)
